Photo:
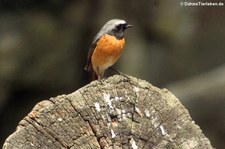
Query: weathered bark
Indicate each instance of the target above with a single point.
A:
(115, 113)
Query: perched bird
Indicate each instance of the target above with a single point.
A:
(106, 47)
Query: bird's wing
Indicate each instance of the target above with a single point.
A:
(90, 52)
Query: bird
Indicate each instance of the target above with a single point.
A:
(106, 47)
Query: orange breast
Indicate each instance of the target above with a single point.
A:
(107, 51)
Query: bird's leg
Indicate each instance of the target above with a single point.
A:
(119, 72)
(100, 79)
(101, 76)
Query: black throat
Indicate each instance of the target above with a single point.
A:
(118, 34)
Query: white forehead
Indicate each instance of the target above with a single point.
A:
(112, 24)
(116, 22)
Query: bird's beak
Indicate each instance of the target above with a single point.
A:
(128, 26)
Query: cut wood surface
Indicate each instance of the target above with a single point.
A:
(115, 113)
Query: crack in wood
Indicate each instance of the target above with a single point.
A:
(116, 113)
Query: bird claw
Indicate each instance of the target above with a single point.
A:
(101, 80)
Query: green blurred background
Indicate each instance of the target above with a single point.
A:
(44, 45)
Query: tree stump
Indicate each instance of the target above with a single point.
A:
(118, 112)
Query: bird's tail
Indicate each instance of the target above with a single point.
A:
(94, 75)
(88, 68)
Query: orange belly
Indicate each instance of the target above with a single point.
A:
(107, 52)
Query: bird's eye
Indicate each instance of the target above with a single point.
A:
(120, 26)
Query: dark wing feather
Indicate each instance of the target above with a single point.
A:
(88, 66)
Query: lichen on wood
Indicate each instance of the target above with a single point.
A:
(118, 112)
